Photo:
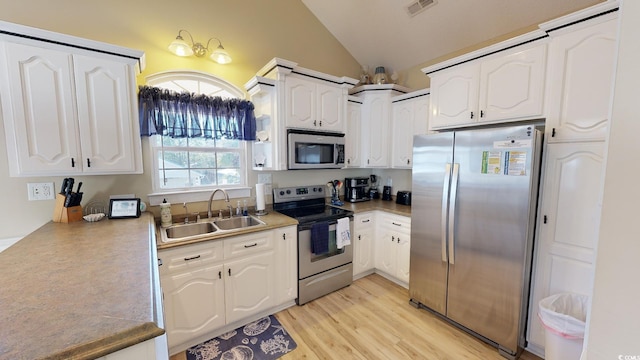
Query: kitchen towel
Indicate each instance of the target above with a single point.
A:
(320, 238)
(343, 233)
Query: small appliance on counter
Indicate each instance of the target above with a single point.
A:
(356, 189)
(386, 193)
(403, 197)
(373, 190)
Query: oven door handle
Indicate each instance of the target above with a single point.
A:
(303, 227)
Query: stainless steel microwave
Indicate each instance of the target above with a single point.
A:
(314, 150)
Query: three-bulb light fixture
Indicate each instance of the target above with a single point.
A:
(181, 48)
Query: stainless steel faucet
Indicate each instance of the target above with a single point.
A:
(226, 199)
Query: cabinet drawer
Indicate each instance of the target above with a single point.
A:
(189, 256)
(399, 223)
(248, 244)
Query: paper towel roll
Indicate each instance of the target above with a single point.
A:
(259, 197)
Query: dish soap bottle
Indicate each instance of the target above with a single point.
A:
(238, 210)
(245, 211)
(165, 213)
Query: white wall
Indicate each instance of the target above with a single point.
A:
(614, 321)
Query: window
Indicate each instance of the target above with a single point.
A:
(192, 163)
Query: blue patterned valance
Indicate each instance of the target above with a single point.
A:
(177, 115)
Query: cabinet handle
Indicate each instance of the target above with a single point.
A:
(553, 132)
(367, 220)
(358, 237)
(159, 262)
(88, 162)
(284, 236)
(348, 161)
(398, 240)
(472, 114)
(219, 274)
(314, 123)
(192, 258)
(250, 246)
(481, 113)
(396, 224)
(544, 221)
(320, 123)
(393, 238)
(229, 271)
(73, 162)
(367, 161)
(408, 161)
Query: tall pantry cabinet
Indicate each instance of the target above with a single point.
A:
(581, 71)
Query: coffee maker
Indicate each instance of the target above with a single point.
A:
(373, 190)
(355, 189)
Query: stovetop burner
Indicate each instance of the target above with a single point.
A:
(306, 204)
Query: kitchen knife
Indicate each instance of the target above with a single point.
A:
(63, 191)
(69, 186)
(79, 186)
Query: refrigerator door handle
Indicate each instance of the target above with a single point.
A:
(445, 202)
(452, 211)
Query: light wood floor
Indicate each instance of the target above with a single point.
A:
(372, 319)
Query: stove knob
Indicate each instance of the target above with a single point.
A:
(281, 193)
(315, 190)
(288, 192)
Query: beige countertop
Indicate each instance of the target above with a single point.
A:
(377, 204)
(79, 290)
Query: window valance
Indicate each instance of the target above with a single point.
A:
(169, 113)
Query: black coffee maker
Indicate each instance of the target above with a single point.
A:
(355, 189)
(373, 190)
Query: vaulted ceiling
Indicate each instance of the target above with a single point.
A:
(382, 33)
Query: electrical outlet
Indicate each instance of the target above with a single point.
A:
(40, 191)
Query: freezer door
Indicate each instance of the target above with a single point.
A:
(431, 175)
(492, 215)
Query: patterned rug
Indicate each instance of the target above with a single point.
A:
(263, 339)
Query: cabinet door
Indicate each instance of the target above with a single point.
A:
(300, 102)
(568, 225)
(403, 255)
(454, 97)
(330, 108)
(512, 86)
(581, 69)
(377, 127)
(193, 303)
(286, 240)
(39, 111)
(249, 286)
(353, 140)
(363, 228)
(108, 126)
(409, 118)
(386, 251)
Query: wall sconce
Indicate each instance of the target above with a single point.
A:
(181, 48)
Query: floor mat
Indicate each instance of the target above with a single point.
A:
(263, 339)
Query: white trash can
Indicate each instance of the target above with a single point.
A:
(563, 317)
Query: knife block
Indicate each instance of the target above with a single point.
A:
(66, 214)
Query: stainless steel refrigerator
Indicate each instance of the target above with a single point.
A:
(473, 211)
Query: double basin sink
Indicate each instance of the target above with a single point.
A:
(178, 232)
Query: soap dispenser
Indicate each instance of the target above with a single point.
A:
(165, 214)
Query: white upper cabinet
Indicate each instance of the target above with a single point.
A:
(66, 110)
(353, 140)
(288, 96)
(375, 128)
(581, 71)
(506, 87)
(409, 118)
(314, 105)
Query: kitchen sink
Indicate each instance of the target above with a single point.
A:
(187, 230)
(237, 223)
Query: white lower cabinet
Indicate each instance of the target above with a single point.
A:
(363, 243)
(211, 284)
(393, 246)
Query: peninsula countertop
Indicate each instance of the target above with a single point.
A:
(79, 290)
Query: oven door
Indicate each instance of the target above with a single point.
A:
(309, 263)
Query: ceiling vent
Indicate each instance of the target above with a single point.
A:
(419, 6)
